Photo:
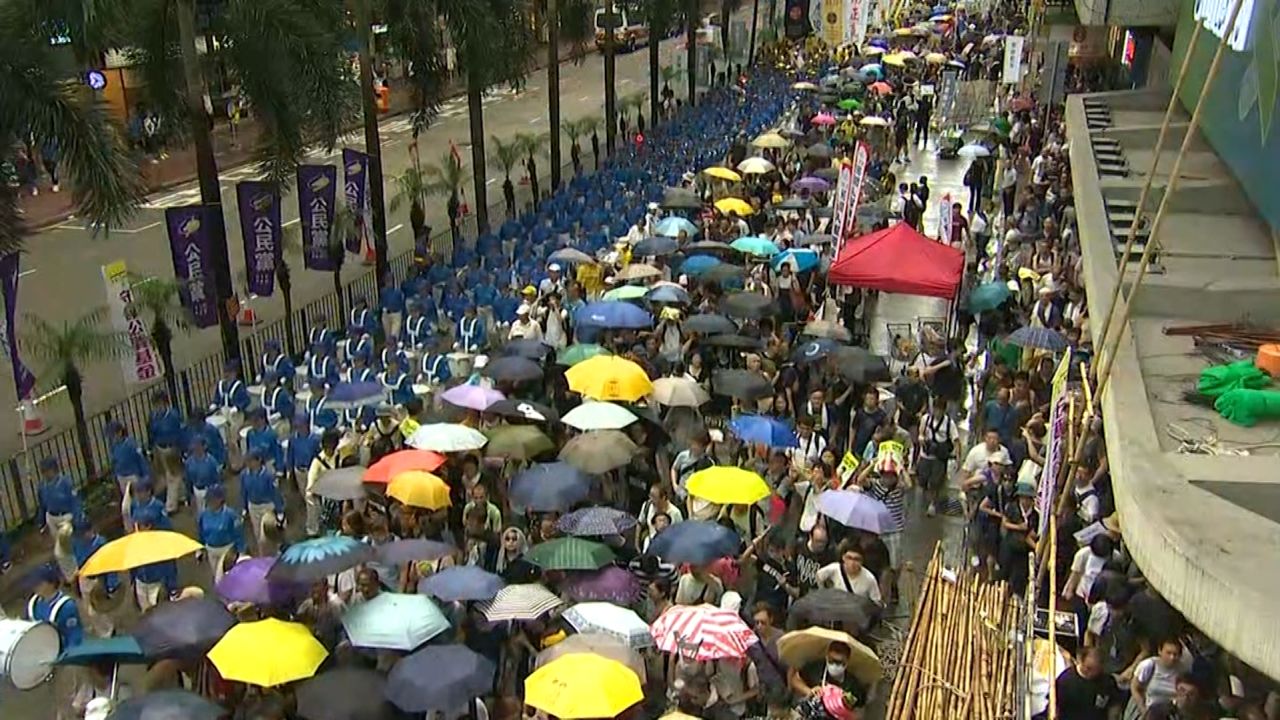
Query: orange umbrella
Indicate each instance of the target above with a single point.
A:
(397, 462)
(881, 88)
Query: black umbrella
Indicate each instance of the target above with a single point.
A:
(737, 342)
(183, 629)
(349, 693)
(819, 150)
(517, 409)
(696, 542)
(814, 350)
(513, 369)
(724, 271)
(681, 199)
(741, 384)
(823, 212)
(709, 247)
(860, 366)
(710, 324)
(168, 705)
(827, 173)
(815, 239)
(439, 677)
(656, 245)
(526, 348)
(794, 203)
(400, 552)
(832, 608)
(748, 305)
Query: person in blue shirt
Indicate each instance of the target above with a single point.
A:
(398, 384)
(434, 367)
(278, 402)
(128, 463)
(85, 542)
(360, 370)
(454, 302)
(221, 530)
(391, 305)
(262, 437)
(504, 307)
(167, 438)
(418, 328)
(322, 366)
(320, 334)
(275, 361)
(153, 582)
(146, 506)
(392, 350)
(360, 320)
(231, 392)
(300, 450)
(58, 506)
(198, 427)
(321, 416)
(260, 496)
(49, 604)
(202, 472)
(358, 345)
(469, 334)
(484, 291)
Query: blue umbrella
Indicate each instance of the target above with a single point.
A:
(699, 264)
(671, 227)
(801, 259)
(595, 522)
(318, 558)
(764, 430)
(546, 487)
(755, 245)
(1040, 338)
(656, 245)
(440, 677)
(696, 542)
(165, 704)
(461, 582)
(183, 629)
(122, 649)
(349, 395)
(988, 296)
(612, 315)
(668, 294)
(814, 350)
(394, 621)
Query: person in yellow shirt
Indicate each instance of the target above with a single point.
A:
(591, 277)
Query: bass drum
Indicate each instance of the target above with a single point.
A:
(27, 652)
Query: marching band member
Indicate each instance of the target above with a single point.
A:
(435, 364)
(220, 529)
(275, 361)
(360, 370)
(469, 335)
(321, 418)
(322, 366)
(277, 401)
(398, 384)
(418, 329)
(361, 319)
(320, 334)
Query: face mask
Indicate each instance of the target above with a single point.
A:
(835, 669)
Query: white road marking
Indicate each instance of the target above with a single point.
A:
(294, 221)
(535, 121)
(397, 227)
(490, 181)
(585, 97)
(25, 273)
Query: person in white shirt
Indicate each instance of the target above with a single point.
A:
(821, 479)
(982, 454)
(849, 575)
(812, 443)
(553, 282)
(1086, 566)
(524, 326)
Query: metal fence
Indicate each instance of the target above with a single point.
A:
(196, 384)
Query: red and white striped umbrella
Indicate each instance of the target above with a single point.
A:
(702, 632)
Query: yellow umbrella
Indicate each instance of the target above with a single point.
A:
(420, 489)
(268, 653)
(771, 140)
(722, 173)
(728, 485)
(894, 59)
(804, 86)
(582, 685)
(677, 715)
(137, 549)
(904, 31)
(755, 166)
(609, 377)
(734, 205)
(908, 55)
(935, 58)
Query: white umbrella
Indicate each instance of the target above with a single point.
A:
(394, 621)
(446, 438)
(679, 392)
(638, 271)
(755, 166)
(610, 619)
(599, 416)
(519, 602)
(975, 150)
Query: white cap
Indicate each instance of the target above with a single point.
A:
(999, 457)
(522, 310)
(554, 267)
(480, 361)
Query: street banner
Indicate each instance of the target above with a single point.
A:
(262, 231)
(355, 183)
(855, 29)
(861, 161)
(192, 252)
(317, 195)
(1012, 69)
(23, 380)
(142, 364)
(796, 24)
(833, 16)
(844, 194)
(944, 219)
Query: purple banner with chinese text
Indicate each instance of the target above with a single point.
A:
(260, 226)
(317, 197)
(355, 183)
(23, 380)
(193, 260)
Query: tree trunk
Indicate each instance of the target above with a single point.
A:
(691, 48)
(372, 145)
(553, 89)
(75, 395)
(610, 79)
(655, 41)
(337, 290)
(724, 36)
(475, 111)
(285, 279)
(207, 172)
(162, 338)
(755, 19)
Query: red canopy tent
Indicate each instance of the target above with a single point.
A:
(899, 259)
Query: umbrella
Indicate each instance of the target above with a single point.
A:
(857, 510)
(596, 643)
(168, 705)
(340, 484)
(772, 140)
(812, 184)
(400, 552)
(740, 342)
(699, 264)
(183, 629)
(511, 369)
(344, 693)
(673, 226)
(811, 240)
(394, 621)
(595, 522)
(728, 485)
(527, 348)
(461, 583)
(827, 329)
(668, 294)
(350, 395)
(638, 271)
(397, 462)
(874, 121)
(121, 649)
(679, 392)
(755, 166)
(517, 442)
(849, 104)
(709, 246)
(571, 256)
(827, 173)
(608, 584)
(695, 542)
(444, 678)
(935, 58)
(612, 620)
(626, 292)
(247, 582)
(819, 150)
(974, 150)
(268, 653)
(880, 88)
(895, 59)
(860, 366)
(814, 350)
(702, 633)
(741, 384)
(318, 558)
(755, 245)
(419, 489)
(710, 324)
(527, 601)
(598, 451)
(734, 205)
(831, 607)
(612, 316)
(800, 647)
(472, 397)
(988, 296)
(656, 245)
(137, 549)
(764, 430)
(794, 203)
(548, 487)
(446, 438)
(581, 685)
(575, 354)
(800, 259)
(520, 409)
(607, 377)
(873, 50)
(1028, 337)
(823, 119)
(594, 415)
(804, 86)
(748, 305)
(569, 553)
(722, 173)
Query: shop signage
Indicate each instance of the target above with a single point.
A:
(1216, 15)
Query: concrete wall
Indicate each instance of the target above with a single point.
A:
(1128, 13)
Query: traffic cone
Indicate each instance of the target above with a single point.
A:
(32, 421)
(370, 257)
(246, 316)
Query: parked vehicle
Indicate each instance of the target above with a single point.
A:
(629, 29)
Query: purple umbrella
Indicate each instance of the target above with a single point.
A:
(247, 582)
(608, 584)
(857, 510)
(472, 397)
(811, 184)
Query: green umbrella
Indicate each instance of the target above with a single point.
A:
(1002, 126)
(517, 442)
(626, 292)
(570, 553)
(988, 297)
(575, 354)
(849, 104)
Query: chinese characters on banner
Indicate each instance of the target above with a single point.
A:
(259, 204)
(142, 365)
(861, 159)
(1012, 69)
(23, 380)
(843, 196)
(833, 20)
(855, 28)
(355, 165)
(193, 260)
(944, 218)
(317, 194)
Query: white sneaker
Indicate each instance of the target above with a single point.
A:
(931, 510)
(35, 191)
(56, 188)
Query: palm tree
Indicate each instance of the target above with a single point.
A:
(727, 8)
(160, 301)
(573, 130)
(101, 172)
(507, 154)
(444, 178)
(346, 224)
(755, 19)
(660, 15)
(591, 126)
(610, 77)
(289, 243)
(65, 349)
(669, 74)
(566, 20)
(532, 144)
(691, 47)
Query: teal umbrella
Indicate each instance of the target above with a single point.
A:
(988, 297)
(755, 245)
(626, 292)
(394, 621)
(569, 553)
(123, 649)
